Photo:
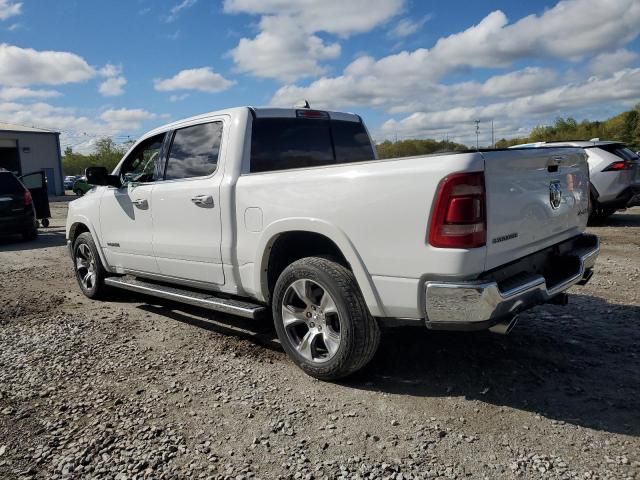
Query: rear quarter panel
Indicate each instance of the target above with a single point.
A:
(378, 211)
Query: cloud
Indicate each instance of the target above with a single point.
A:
(622, 86)
(287, 46)
(178, 98)
(409, 80)
(115, 81)
(126, 118)
(203, 79)
(408, 26)
(18, 93)
(26, 66)
(606, 63)
(178, 8)
(112, 87)
(9, 8)
(283, 50)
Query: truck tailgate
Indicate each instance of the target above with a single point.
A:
(535, 198)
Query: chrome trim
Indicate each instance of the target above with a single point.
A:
(470, 303)
(198, 299)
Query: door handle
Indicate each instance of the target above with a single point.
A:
(203, 200)
(140, 203)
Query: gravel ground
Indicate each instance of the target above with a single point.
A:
(136, 389)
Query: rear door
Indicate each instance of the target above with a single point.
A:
(536, 197)
(11, 195)
(187, 226)
(36, 182)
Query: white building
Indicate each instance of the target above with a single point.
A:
(27, 149)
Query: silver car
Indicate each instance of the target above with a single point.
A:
(615, 174)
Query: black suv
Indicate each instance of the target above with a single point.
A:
(17, 212)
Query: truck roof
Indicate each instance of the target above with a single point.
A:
(569, 143)
(260, 112)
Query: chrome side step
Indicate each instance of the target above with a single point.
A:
(182, 295)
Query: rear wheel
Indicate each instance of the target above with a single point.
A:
(31, 233)
(78, 192)
(89, 270)
(598, 213)
(322, 320)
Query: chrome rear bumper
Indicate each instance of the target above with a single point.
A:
(477, 305)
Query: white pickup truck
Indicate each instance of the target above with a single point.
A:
(248, 210)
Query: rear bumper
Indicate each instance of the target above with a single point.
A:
(17, 224)
(629, 197)
(483, 303)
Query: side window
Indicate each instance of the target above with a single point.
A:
(194, 151)
(140, 165)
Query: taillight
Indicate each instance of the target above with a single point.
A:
(617, 166)
(459, 215)
(28, 199)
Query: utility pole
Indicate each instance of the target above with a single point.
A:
(493, 139)
(477, 122)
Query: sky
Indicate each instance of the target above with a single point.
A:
(410, 68)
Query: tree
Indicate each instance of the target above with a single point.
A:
(106, 153)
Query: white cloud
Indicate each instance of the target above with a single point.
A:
(17, 93)
(287, 46)
(112, 87)
(26, 66)
(609, 62)
(9, 8)
(618, 88)
(203, 79)
(126, 118)
(178, 98)
(408, 81)
(115, 81)
(178, 8)
(283, 50)
(408, 26)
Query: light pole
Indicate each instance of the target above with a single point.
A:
(477, 133)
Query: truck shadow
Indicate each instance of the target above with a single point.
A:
(579, 364)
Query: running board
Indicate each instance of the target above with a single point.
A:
(182, 295)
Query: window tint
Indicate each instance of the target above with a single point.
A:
(351, 142)
(141, 164)
(283, 143)
(9, 184)
(620, 150)
(194, 151)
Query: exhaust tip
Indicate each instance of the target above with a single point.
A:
(504, 327)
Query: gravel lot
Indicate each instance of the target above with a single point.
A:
(133, 388)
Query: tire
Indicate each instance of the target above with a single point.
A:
(45, 222)
(597, 213)
(90, 272)
(30, 234)
(78, 192)
(328, 338)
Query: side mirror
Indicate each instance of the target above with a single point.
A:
(100, 176)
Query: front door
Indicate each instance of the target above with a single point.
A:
(125, 212)
(187, 228)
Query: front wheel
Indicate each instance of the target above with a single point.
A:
(89, 270)
(322, 320)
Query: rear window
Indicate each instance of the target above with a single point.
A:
(620, 151)
(9, 184)
(286, 143)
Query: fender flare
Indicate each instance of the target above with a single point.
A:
(333, 233)
(83, 220)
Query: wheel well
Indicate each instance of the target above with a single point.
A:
(77, 229)
(291, 246)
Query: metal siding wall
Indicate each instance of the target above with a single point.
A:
(44, 153)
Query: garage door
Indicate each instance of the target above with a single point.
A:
(9, 156)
